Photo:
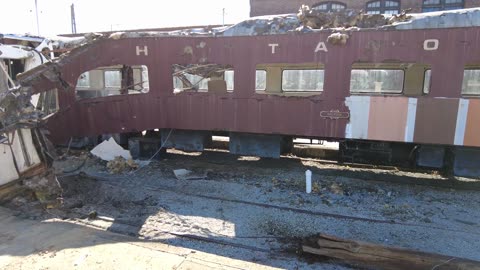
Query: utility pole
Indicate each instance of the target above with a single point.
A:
(72, 15)
(36, 13)
(223, 17)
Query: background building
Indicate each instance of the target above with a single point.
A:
(270, 7)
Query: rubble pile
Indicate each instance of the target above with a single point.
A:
(346, 18)
(120, 164)
(308, 20)
(338, 38)
(46, 188)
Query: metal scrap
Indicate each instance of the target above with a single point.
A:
(27, 152)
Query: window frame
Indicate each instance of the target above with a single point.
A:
(461, 90)
(98, 83)
(383, 7)
(229, 68)
(429, 84)
(105, 81)
(329, 6)
(442, 5)
(318, 92)
(141, 70)
(233, 80)
(379, 93)
(82, 86)
(266, 76)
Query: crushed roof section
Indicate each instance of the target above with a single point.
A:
(308, 20)
(442, 19)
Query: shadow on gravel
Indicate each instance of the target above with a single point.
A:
(134, 206)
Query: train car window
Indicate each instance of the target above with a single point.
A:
(260, 80)
(471, 82)
(190, 81)
(426, 81)
(302, 80)
(381, 81)
(229, 78)
(140, 77)
(48, 101)
(214, 78)
(84, 80)
(112, 80)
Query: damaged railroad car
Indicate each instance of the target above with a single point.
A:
(406, 91)
(26, 155)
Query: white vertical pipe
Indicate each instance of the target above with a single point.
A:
(38, 21)
(308, 181)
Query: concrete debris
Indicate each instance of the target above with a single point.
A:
(316, 19)
(119, 165)
(346, 18)
(108, 150)
(308, 20)
(338, 39)
(402, 17)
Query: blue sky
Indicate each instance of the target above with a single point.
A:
(105, 15)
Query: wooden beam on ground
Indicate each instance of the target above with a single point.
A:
(383, 257)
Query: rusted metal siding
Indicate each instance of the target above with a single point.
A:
(387, 118)
(436, 121)
(472, 128)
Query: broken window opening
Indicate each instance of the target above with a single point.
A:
(48, 102)
(112, 81)
(302, 80)
(84, 80)
(14, 67)
(203, 78)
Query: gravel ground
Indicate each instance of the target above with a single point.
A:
(260, 206)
